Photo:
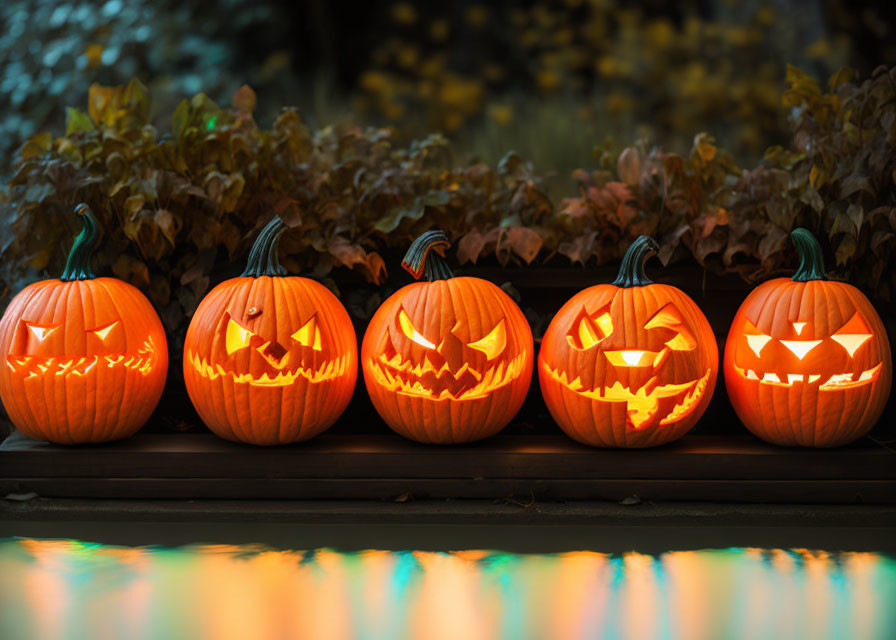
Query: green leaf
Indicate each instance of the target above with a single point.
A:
(389, 222)
(76, 121)
(846, 249)
(181, 118)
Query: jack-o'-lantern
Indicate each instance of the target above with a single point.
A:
(807, 361)
(270, 358)
(85, 358)
(448, 360)
(628, 364)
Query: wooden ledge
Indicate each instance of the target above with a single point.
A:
(385, 466)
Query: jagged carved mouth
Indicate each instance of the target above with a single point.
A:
(643, 404)
(326, 371)
(833, 382)
(75, 367)
(438, 383)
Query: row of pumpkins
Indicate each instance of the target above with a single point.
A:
(272, 359)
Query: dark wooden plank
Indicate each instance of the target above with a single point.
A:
(543, 527)
(389, 456)
(519, 490)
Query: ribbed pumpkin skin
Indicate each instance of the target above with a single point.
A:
(87, 392)
(601, 423)
(451, 314)
(270, 415)
(804, 414)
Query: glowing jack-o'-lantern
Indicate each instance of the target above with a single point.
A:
(270, 358)
(628, 364)
(807, 361)
(448, 360)
(84, 358)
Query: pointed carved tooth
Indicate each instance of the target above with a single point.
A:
(751, 375)
(91, 365)
(576, 384)
(10, 365)
(814, 377)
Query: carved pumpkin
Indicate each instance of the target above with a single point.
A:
(85, 358)
(628, 364)
(448, 360)
(270, 358)
(807, 361)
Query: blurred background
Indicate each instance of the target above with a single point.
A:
(549, 79)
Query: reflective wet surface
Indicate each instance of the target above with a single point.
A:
(68, 589)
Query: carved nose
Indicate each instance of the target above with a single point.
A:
(800, 348)
(274, 354)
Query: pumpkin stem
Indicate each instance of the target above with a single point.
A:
(811, 260)
(426, 257)
(263, 259)
(77, 267)
(631, 273)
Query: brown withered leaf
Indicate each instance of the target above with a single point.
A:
(470, 246)
(244, 99)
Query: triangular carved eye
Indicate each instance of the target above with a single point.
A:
(237, 337)
(309, 334)
(103, 332)
(408, 330)
(590, 330)
(756, 340)
(493, 343)
(853, 334)
(41, 332)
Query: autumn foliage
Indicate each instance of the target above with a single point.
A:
(179, 207)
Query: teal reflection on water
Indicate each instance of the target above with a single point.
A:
(65, 589)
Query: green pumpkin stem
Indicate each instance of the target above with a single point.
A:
(811, 260)
(426, 257)
(631, 273)
(263, 259)
(77, 267)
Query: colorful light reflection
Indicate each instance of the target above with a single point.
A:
(55, 589)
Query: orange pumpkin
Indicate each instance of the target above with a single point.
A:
(270, 358)
(628, 364)
(807, 361)
(85, 358)
(448, 360)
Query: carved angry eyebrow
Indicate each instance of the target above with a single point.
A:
(669, 317)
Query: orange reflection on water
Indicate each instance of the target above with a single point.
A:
(54, 589)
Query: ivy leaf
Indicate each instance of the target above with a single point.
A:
(470, 246)
(77, 121)
(168, 223)
(525, 242)
(181, 118)
(846, 249)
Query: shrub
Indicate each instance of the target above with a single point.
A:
(180, 208)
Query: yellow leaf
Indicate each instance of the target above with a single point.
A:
(94, 55)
